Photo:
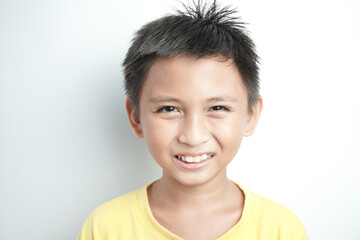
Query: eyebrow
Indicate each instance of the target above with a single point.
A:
(163, 100)
(212, 99)
(222, 99)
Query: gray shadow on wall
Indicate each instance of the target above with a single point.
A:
(137, 164)
(122, 164)
(131, 164)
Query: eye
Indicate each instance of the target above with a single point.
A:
(219, 108)
(167, 109)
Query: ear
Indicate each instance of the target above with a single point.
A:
(253, 117)
(134, 119)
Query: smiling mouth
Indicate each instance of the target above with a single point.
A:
(195, 159)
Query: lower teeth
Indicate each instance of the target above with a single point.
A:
(197, 159)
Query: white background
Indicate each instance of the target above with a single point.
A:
(66, 147)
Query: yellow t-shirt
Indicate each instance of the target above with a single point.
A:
(129, 217)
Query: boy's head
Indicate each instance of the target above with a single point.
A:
(192, 85)
(199, 32)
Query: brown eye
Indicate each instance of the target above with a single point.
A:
(166, 109)
(219, 108)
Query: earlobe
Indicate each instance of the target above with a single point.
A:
(134, 119)
(254, 118)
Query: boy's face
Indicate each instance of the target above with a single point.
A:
(193, 115)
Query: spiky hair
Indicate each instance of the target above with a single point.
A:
(199, 30)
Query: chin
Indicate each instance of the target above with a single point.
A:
(197, 179)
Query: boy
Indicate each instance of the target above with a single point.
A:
(193, 93)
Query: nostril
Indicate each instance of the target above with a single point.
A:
(194, 131)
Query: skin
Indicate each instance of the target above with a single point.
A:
(191, 107)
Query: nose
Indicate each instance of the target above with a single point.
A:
(194, 130)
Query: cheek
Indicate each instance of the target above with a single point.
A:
(229, 133)
(158, 135)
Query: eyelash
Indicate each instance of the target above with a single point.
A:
(166, 109)
(173, 109)
(218, 108)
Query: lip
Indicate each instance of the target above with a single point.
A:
(193, 154)
(193, 165)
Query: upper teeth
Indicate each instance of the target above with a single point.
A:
(191, 159)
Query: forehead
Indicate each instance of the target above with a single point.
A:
(192, 71)
(176, 64)
(191, 80)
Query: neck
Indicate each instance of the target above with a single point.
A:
(170, 192)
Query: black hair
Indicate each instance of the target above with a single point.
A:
(198, 31)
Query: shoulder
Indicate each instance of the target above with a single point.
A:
(271, 217)
(117, 211)
(265, 206)
(110, 217)
(116, 205)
